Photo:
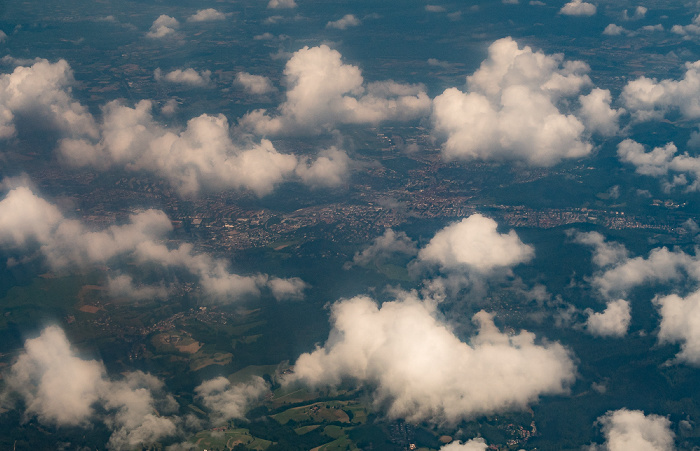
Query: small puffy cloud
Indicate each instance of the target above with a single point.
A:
(225, 401)
(435, 8)
(42, 93)
(207, 15)
(650, 28)
(662, 162)
(3, 36)
(687, 31)
(419, 370)
(510, 110)
(614, 30)
(331, 168)
(475, 244)
(597, 114)
(163, 26)
(281, 4)
(604, 253)
(123, 286)
(169, 108)
(612, 322)
(578, 8)
(323, 92)
(287, 289)
(632, 430)
(348, 20)
(254, 84)
(648, 99)
(661, 265)
(28, 221)
(475, 444)
(383, 247)
(264, 37)
(61, 389)
(680, 323)
(639, 13)
(187, 76)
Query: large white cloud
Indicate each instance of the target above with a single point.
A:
(647, 98)
(662, 162)
(420, 370)
(474, 243)
(42, 92)
(626, 430)
(511, 109)
(322, 92)
(26, 221)
(203, 155)
(59, 388)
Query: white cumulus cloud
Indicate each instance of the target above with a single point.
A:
(322, 92)
(163, 26)
(187, 76)
(28, 221)
(254, 84)
(662, 162)
(510, 110)
(281, 4)
(680, 323)
(202, 156)
(61, 389)
(632, 430)
(578, 8)
(612, 322)
(474, 243)
(42, 93)
(383, 247)
(420, 370)
(207, 15)
(476, 444)
(226, 401)
(348, 20)
(648, 98)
